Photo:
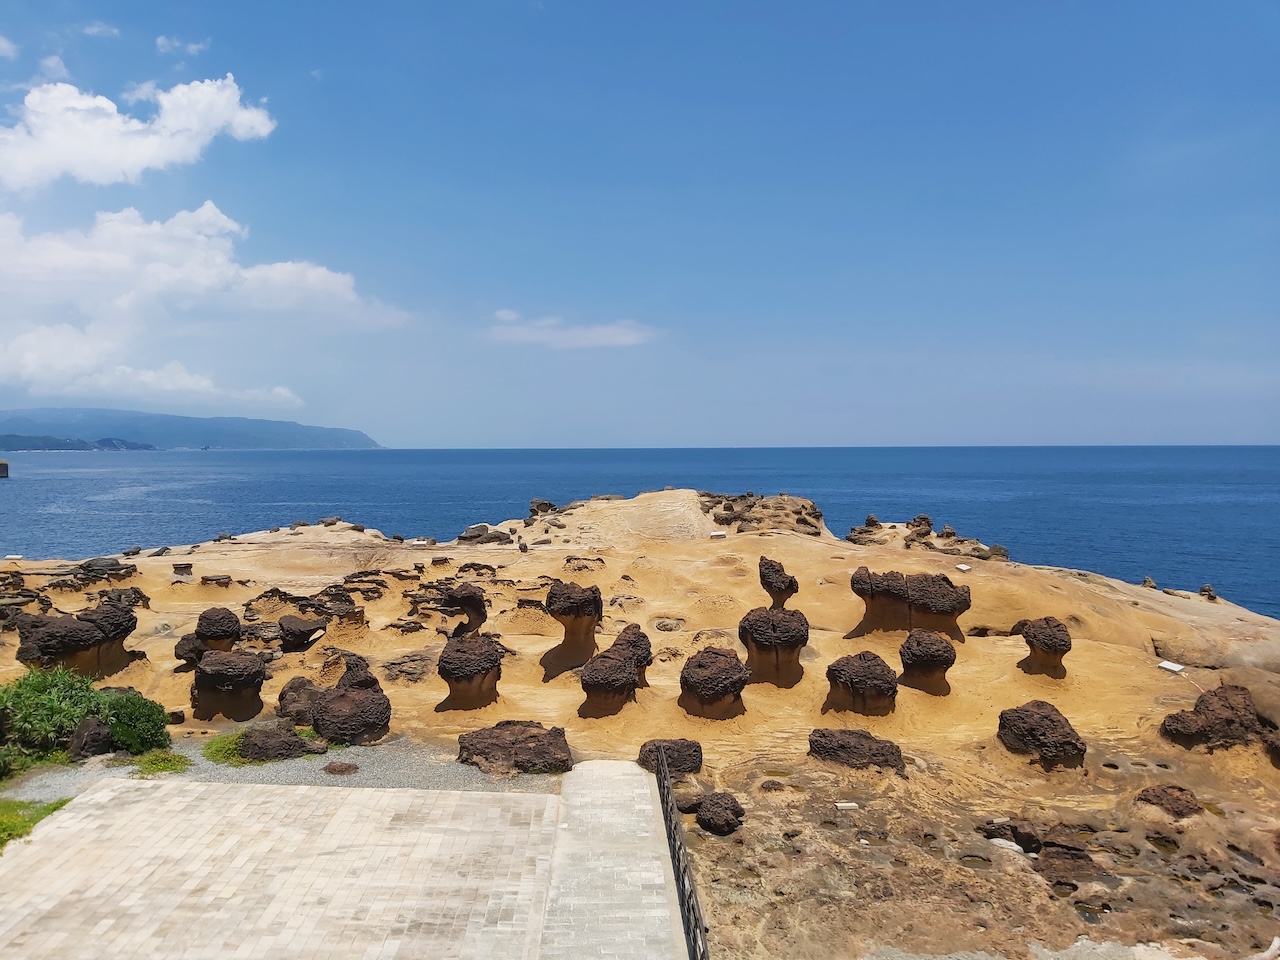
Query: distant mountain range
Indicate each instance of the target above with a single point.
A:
(60, 428)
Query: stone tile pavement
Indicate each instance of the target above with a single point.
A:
(185, 870)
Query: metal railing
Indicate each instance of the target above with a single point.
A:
(695, 928)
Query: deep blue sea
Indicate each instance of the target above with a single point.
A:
(1183, 515)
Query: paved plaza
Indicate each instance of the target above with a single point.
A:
(185, 869)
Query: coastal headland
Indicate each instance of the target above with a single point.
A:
(919, 796)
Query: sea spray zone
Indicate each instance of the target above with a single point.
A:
(967, 816)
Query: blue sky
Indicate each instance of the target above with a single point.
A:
(649, 224)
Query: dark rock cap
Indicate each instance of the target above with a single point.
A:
(1047, 633)
(218, 623)
(42, 639)
(774, 627)
(296, 700)
(610, 671)
(927, 650)
(683, 756)
(635, 642)
(776, 581)
(297, 633)
(933, 592)
(720, 813)
(1178, 802)
(714, 673)
(266, 742)
(230, 671)
(115, 620)
(467, 657)
(1221, 718)
(864, 672)
(516, 745)
(1039, 728)
(571, 600)
(857, 749)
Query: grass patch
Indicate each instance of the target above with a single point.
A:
(17, 818)
(15, 761)
(308, 733)
(161, 761)
(225, 748)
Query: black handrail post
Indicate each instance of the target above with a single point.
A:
(695, 927)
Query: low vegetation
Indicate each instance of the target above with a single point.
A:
(161, 761)
(225, 748)
(18, 817)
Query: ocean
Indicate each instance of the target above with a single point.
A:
(1182, 515)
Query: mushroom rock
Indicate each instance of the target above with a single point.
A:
(1178, 802)
(296, 701)
(773, 638)
(711, 684)
(355, 710)
(516, 745)
(297, 633)
(265, 742)
(219, 628)
(472, 667)
(228, 683)
(468, 599)
(720, 813)
(190, 649)
(579, 609)
(635, 642)
(926, 658)
(1048, 641)
(857, 749)
(91, 643)
(1038, 728)
(897, 601)
(780, 585)
(683, 756)
(862, 683)
(609, 681)
(1221, 718)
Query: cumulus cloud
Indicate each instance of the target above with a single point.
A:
(63, 131)
(172, 45)
(553, 332)
(101, 311)
(100, 29)
(8, 49)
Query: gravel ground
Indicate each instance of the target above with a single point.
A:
(395, 763)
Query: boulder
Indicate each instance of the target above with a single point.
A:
(862, 683)
(355, 710)
(780, 585)
(90, 738)
(609, 682)
(774, 638)
(1037, 728)
(219, 628)
(720, 813)
(1178, 802)
(1048, 641)
(91, 644)
(635, 642)
(857, 749)
(297, 633)
(297, 698)
(683, 756)
(579, 610)
(711, 684)
(265, 742)
(228, 683)
(472, 667)
(516, 746)
(926, 658)
(897, 601)
(1221, 718)
(190, 649)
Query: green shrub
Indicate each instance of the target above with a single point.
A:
(137, 724)
(161, 761)
(42, 709)
(225, 748)
(17, 818)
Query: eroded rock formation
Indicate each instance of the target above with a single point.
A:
(635, 642)
(857, 749)
(862, 683)
(472, 667)
(774, 638)
(297, 700)
(1048, 641)
(355, 710)
(779, 584)
(897, 601)
(297, 633)
(926, 658)
(720, 813)
(90, 643)
(711, 684)
(1178, 802)
(683, 756)
(265, 742)
(216, 629)
(228, 683)
(1039, 729)
(579, 610)
(1221, 718)
(516, 746)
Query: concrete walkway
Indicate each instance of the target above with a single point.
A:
(181, 870)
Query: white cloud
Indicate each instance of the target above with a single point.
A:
(62, 131)
(172, 45)
(100, 29)
(51, 69)
(555, 333)
(8, 49)
(102, 311)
